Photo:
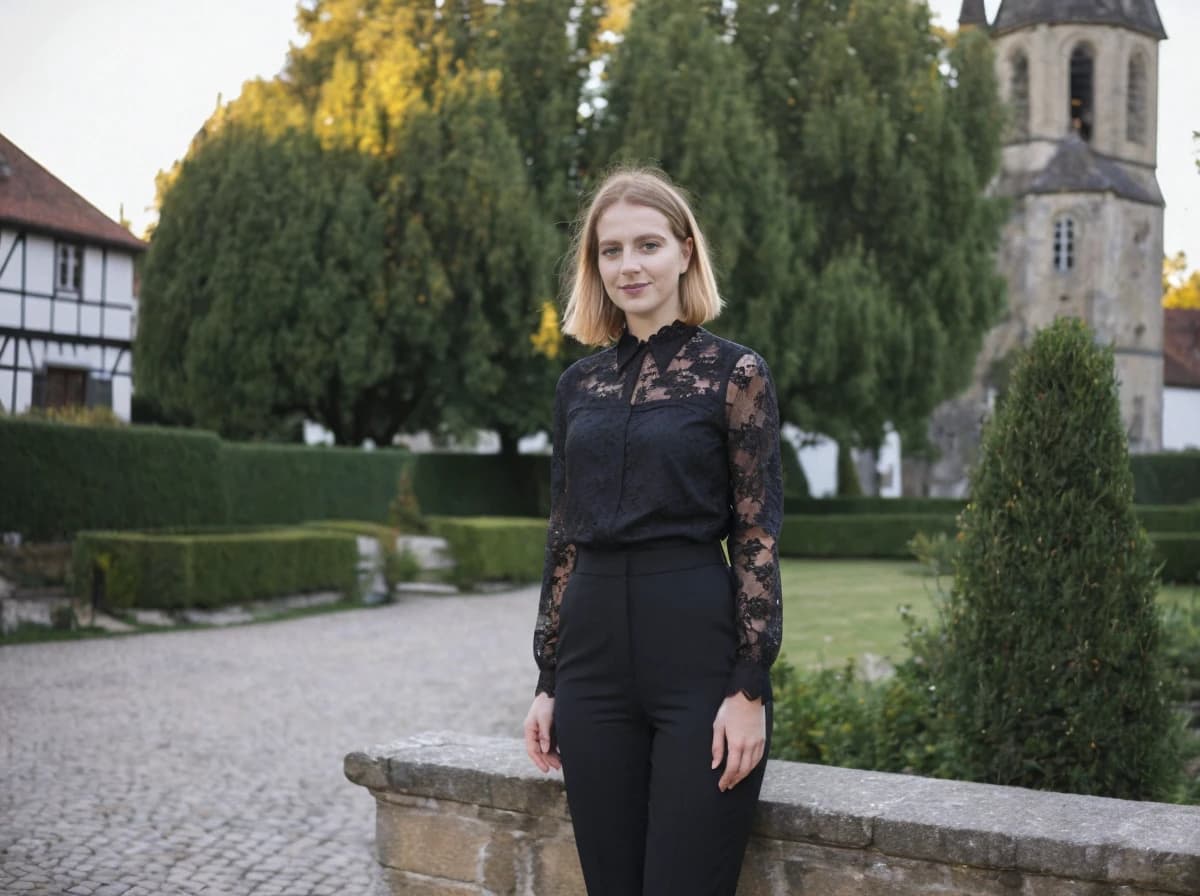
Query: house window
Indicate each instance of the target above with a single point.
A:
(1018, 95)
(68, 268)
(1082, 102)
(1064, 245)
(63, 386)
(1135, 100)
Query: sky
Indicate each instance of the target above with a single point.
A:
(105, 93)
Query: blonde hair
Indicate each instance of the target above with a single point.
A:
(590, 316)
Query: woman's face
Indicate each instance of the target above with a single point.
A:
(640, 262)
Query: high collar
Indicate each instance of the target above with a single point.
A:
(663, 345)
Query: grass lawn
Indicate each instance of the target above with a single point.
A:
(834, 609)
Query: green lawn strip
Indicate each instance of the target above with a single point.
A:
(835, 609)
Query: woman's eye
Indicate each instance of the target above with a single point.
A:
(650, 245)
(609, 252)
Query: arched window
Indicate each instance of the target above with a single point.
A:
(1135, 100)
(1082, 110)
(1018, 94)
(1064, 245)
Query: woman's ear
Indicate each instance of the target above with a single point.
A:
(685, 249)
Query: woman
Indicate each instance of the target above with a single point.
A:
(654, 695)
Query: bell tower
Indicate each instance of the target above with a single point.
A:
(1085, 236)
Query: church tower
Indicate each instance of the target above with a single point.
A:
(1085, 236)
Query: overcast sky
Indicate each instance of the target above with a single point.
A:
(105, 93)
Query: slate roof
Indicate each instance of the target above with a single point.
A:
(1181, 348)
(1075, 168)
(973, 13)
(31, 197)
(1139, 15)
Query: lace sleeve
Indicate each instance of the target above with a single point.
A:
(560, 556)
(756, 483)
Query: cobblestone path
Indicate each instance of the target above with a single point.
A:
(211, 761)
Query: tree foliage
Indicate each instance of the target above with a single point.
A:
(840, 153)
(1180, 290)
(1052, 661)
(370, 239)
(365, 235)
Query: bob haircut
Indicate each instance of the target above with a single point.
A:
(590, 316)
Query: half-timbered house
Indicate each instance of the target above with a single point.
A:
(68, 296)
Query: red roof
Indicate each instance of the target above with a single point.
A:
(32, 197)
(1181, 348)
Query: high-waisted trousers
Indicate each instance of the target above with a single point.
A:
(646, 646)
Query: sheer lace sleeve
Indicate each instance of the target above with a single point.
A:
(560, 556)
(757, 494)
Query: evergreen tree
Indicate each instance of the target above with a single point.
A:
(427, 276)
(888, 138)
(1053, 665)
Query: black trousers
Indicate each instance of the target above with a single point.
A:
(646, 646)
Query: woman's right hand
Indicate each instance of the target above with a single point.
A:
(539, 743)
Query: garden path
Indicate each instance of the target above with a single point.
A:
(210, 761)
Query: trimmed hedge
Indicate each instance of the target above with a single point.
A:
(285, 484)
(1178, 518)
(58, 478)
(1167, 478)
(1180, 555)
(482, 485)
(858, 535)
(494, 548)
(211, 570)
(873, 505)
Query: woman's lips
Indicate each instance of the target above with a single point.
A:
(634, 288)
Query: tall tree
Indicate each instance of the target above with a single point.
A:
(441, 277)
(888, 137)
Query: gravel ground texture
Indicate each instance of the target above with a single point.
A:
(211, 761)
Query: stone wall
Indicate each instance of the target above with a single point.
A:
(460, 814)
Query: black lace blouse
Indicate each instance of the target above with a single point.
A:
(671, 440)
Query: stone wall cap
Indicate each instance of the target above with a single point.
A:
(1084, 837)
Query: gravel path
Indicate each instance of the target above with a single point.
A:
(211, 761)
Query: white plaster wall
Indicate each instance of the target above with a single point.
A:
(11, 278)
(1181, 418)
(39, 266)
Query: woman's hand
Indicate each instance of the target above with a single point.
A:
(742, 723)
(538, 742)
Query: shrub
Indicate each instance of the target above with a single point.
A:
(493, 548)
(835, 717)
(59, 479)
(857, 535)
(1167, 478)
(936, 553)
(848, 485)
(1053, 664)
(404, 513)
(76, 415)
(210, 570)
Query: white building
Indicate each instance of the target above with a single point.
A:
(68, 299)
(1181, 380)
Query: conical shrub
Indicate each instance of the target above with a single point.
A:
(1053, 673)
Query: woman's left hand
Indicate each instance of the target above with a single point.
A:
(742, 724)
